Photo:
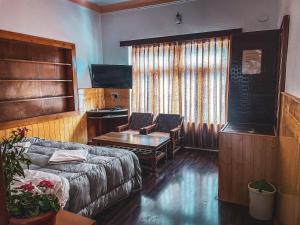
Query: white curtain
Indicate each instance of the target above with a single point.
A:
(187, 78)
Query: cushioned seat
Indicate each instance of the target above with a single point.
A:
(136, 122)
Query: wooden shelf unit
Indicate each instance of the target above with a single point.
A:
(32, 80)
(35, 61)
(37, 78)
(34, 99)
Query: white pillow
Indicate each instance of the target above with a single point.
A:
(61, 185)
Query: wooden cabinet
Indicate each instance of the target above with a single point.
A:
(37, 78)
(244, 157)
(104, 121)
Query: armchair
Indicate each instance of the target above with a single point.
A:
(167, 125)
(136, 122)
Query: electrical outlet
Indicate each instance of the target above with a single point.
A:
(115, 95)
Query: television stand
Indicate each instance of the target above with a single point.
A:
(117, 108)
(102, 121)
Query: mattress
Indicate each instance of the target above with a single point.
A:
(108, 176)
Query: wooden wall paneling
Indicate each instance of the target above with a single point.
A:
(2, 134)
(68, 130)
(225, 167)
(124, 97)
(74, 124)
(46, 130)
(297, 211)
(288, 162)
(287, 182)
(41, 132)
(243, 158)
(259, 158)
(63, 128)
(237, 168)
(71, 129)
(35, 131)
(57, 130)
(91, 98)
(29, 133)
(271, 158)
(248, 165)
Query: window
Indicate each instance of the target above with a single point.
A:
(187, 78)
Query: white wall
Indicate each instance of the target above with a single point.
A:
(292, 7)
(66, 21)
(198, 16)
(61, 20)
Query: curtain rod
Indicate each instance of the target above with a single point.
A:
(183, 37)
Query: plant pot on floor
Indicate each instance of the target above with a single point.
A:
(48, 218)
(261, 196)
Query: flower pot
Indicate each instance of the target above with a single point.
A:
(48, 218)
(261, 203)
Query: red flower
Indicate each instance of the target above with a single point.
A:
(27, 187)
(46, 184)
(22, 131)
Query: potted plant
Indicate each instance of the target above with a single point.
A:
(28, 204)
(261, 196)
(32, 205)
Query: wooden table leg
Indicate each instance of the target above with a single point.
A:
(166, 150)
(154, 161)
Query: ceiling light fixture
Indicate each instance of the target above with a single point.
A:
(178, 18)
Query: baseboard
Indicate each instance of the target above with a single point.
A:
(201, 149)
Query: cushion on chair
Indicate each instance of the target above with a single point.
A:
(131, 132)
(139, 120)
(159, 134)
(167, 122)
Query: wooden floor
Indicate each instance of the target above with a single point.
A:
(185, 192)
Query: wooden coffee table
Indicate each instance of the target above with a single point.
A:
(150, 150)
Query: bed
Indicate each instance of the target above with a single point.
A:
(108, 176)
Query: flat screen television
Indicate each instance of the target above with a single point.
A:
(111, 76)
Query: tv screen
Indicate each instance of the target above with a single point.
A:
(111, 76)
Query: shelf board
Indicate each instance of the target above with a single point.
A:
(35, 99)
(34, 80)
(35, 61)
(38, 119)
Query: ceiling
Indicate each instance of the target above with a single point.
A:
(104, 6)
